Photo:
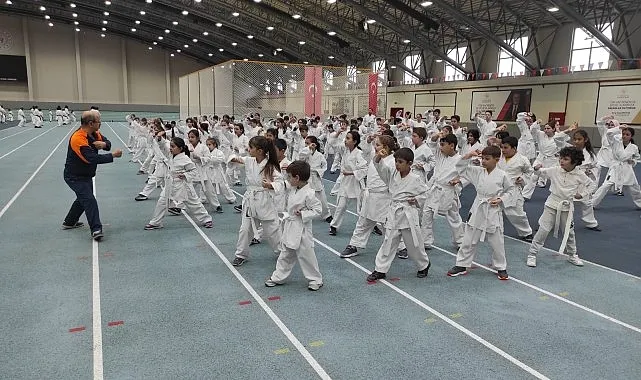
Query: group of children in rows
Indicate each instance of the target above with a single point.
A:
(413, 169)
(63, 116)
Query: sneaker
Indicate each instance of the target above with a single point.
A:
(97, 235)
(595, 228)
(423, 273)
(237, 183)
(349, 251)
(427, 247)
(209, 224)
(174, 211)
(68, 227)
(574, 259)
(502, 275)
(402, 254)
(531, 261)
(329, 219)
(140, 172)
(528, 238)
(314, 286)
(141, 197)
(254, 242)
(457, 271)
(238, 208)
(152, 227)
(332, 231)
(219, 210)
(375, 276)
(378, 231)
(238, 261)
(270, 283)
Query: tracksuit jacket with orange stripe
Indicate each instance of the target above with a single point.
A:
(83, 157)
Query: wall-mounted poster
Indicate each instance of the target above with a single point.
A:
(622, 101)
(504, 104)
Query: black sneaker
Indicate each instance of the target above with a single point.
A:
(141, 197)
(423, 273)
(402, 254)
(595, 228)
(349, 251)
(97, 235)
(238, 208)
(219, 209)
(375, 276)
(377, 231)
(329, 219)
(68, 227)
(502, 275)
(457, 271)
(527, 238)
(332, 231)
(254, 241)
(174, 211)
(238, 261)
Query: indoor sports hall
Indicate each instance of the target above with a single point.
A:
(172, 303)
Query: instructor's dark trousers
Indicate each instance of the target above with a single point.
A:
(85, 202)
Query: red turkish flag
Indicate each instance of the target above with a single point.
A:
(372, 85)
(313, 90)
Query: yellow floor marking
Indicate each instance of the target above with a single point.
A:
(543, 298)
(456, 315)
(281, 351)
(430, 320)
(564, 294)
(317, 343)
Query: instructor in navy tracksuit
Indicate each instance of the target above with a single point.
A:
(80, 168)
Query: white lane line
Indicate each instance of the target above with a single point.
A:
(117, 135)
(97, 315)
(444, 318)
(555, 252)
(13, 199)
(290, 336)
(17, 133)
(531, 286)
(44, 133)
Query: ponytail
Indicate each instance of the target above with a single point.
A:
(181, 144)
(268, 147)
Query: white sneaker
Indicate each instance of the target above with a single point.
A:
(531, 261)
(574, 259)
(313, 286)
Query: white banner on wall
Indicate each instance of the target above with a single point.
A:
(504, 104)
(623, 102)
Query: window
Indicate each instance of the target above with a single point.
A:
(458, 55)
(587, 51)
(508, 65)
(413, 62)
(379, 67)
(351, 76)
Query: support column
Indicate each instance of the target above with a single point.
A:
(125, 76)
(27, 53)
(76, 42)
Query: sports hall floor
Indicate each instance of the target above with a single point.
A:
(167, 304)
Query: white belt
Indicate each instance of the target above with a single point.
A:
(407, 208)
(568, 223)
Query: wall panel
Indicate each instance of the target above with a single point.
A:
(146, 74)
(206, 78)
(194, 94)
(101, 68)
(184, 97)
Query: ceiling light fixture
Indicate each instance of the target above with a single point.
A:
(221, 50)
(205, 33)
(218, 24)
(77, 29)
(137, 22)
(426, 3)
(175, 22)
(234, 44)
(102, 35)
(260, 55)
(406, 41)
(250, 36)
(104, 29)
(143, 13)
(167, 31)
(370, 21)
(331, 1)
(107, 2)
(160, 38)
(72, 5)
(195, 40)
(235, 14)
(74, 15)
(279, 49)
(106, 13)
(186, 46)
(270, 28)
(133, 29)
(76, 23)
(210, 54)
(185, 13)
(149, 1)
(155, 43)
(43, 8)
(301, 42)
(172, 54)
(178, 50)
(553, 9)
(47, 17)
(331, 57)
(104, 22)
(331, 33)
(51, 24)
(296, 16)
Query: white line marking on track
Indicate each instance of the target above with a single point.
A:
(444, 318)
(531, 286)
(44, 133)
(13, 199)
(290, 336)
(6, 137)
(555, 252)
(97, 316)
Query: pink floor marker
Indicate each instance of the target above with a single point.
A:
(274, 298)
(115, 323)
(77, 329)
(243, 303)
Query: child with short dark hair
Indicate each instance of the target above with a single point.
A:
(493, 187)
(568, 182)
(298, 242)
(519, 170)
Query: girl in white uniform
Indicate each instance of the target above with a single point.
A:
(37, 118)
(59, 116)
(179, 188)
(318, 164)
(581, 141)
(354, 170)
(298, 243)
(258, 205)
(524, 121)
(519, 170)
(239, 143)
(215, 172)
(160, 147)
(604, 156)
(423, 157)
(21, 117)
(199, 154)
(621, 173)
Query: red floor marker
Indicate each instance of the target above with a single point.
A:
(394, 279)
(115, 323)
(274, 298)
(77, 329)
(242, 303)
(371, 282)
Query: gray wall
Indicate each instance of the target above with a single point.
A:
(68, 67)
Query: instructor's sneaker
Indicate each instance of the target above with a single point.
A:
(349, 251)
(375, 276)
(423, 273)
(141, 197)
(402, 254)
(457, 271)
(97, 235)
(527, 238)
(68, 227)
(574, 259)
(531, 261)
(502, 275)
(238, 261)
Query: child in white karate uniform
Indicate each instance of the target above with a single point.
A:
(493, 188)
(258, 207)
(519, 170)
(215, 172)
(407, 192)
(199, 154)
(581, 141)
(179, 188)
(298, 242)
(423, 157)
(239, 149)
(318, 164)
(524, 121)
(353, 169)
(568, 183)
